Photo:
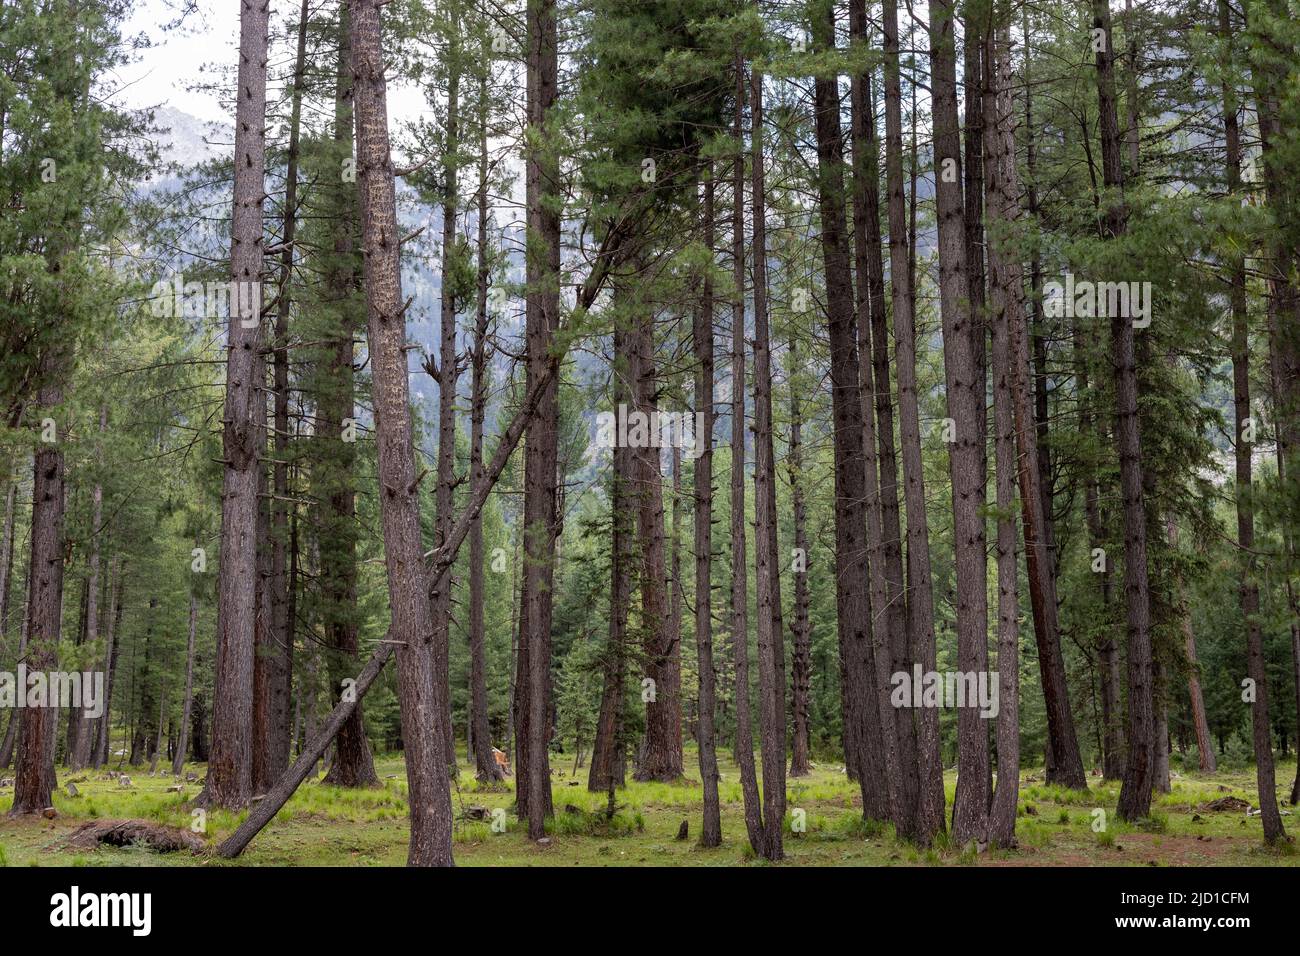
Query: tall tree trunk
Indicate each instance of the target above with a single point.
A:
(767, 575)
(744, 743)
(1139, 769)
(702, 341)
(353, 764)
(965, 465)
(230, 762)
(606, 771)
(884, 549)
(112, 627)
(801, 627)
(412, 625)
(920, 597)
(280, 657)
(446, 374)
(79, 756)
(178, 760)
(34, 778)
(485, 766)
(859, 676)
(1006, 293)
(1244, 494)
(543, 189)
(662, 752)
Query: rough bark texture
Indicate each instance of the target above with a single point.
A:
(1139, 768)
(485, 766)
(447, 375)
(353, 765)
(230, 762)
(1006, 297)
(702, 342)
(859, 676)
(744, 742)
(411, 623)
(178, 759)
(966, 452)
(920, 597)
(34, 779)
(540, 461)
(801, 626)
(884, 554)
(79, 755)
(767, 575)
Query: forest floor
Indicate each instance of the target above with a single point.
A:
(328, 826)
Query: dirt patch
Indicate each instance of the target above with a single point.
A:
(156, 836)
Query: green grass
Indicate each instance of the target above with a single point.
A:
(330, 826)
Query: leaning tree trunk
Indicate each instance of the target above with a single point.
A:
(230, 762)
(411, 618)
(965, 409)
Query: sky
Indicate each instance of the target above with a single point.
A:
(179, 58)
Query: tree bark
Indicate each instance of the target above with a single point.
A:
(485, 765)
(412, 625)
(335, 469)
(230, 762)
(702, 341)
(859, 676)
(1139, 769)
(542, 318)
(965, 458)
(34, 778)
(920, 597)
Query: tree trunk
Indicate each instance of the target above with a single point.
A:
(446, 374)
(920, 597)
(801, 627)
(767, 575)
(702, 341)
(335, 468)
(744, 744)
(79, 756)
(1139, 769)
(34, 779)
(412, 625)
(860, 694)
(113, 626)
(965, 409)
(230, 762)
(540, 461)
(485, 765)
(178, 760)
